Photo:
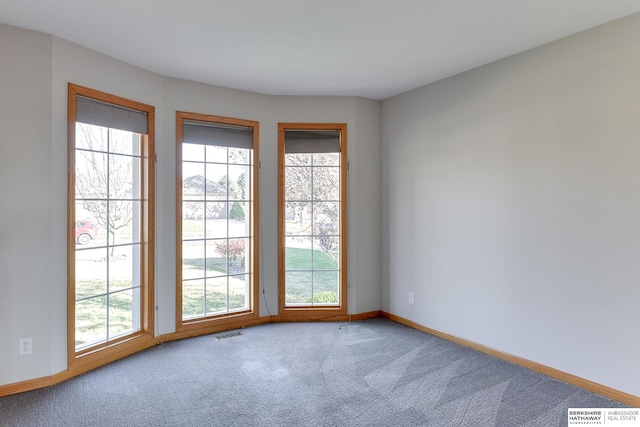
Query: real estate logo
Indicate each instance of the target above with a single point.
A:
(627, 417)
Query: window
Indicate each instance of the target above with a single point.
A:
(217, 220)
(312, 184)
(110, 223)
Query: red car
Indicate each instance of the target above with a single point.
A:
(85, 232)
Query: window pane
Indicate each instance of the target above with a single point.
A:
(216, 257)
(216, 182)
(91, 175)
(124, 267)
(193, 260)
(91, 137)
(216, 154)
(192, 298)
(91, 272)
(239, 155)
(91, 321)
(298, 183)
(193, 225)
(217, 295)
(124, 222)
(124, 142)
(325, 256)
(91, 223)
(193, 184)
(192, 152)
(326, 183)
(238, 292)
(87, 232)
(298, 253)
(326, 159)
(325, 287)
(326, 218)
(216, 219)
(238, 219)
(121, 313)
(124, 177)
(237, 256)
(238, 182)
(298, 218)
(298, 159)
(298, 285)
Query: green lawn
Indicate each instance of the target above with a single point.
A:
(91, 314)
(303, 287)
(319, 285)
(193, 296)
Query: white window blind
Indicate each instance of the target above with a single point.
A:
(312, 141)
(222, 135)
(99, 113)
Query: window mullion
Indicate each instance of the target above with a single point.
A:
(313, 227)
(109, 245)
(228, 226)
(204, 241)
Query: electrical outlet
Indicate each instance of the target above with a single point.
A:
(412, 298)
(26, 346)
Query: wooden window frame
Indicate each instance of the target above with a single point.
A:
(209, 324)
(313, 312)
(103, 353)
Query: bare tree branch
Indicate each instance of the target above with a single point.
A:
(312, 183)
(104, 178)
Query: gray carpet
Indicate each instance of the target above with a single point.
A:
(368, 373)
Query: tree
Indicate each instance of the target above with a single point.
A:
(236, 189)
(106, 179)
(225, 183)
(237, 212)
(313, 187)
(234, 251)
(242, 184)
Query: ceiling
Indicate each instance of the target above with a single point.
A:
(369, 48)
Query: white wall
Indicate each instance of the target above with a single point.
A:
(511, 205)
(76, 64)
(26, 285)
(35, 69)
(363, 151)
(365, 208)
(180, 95)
